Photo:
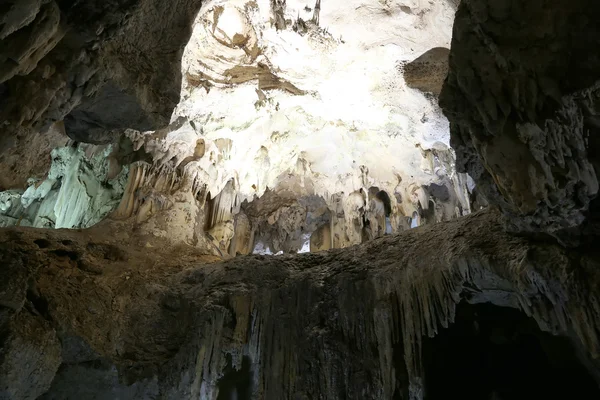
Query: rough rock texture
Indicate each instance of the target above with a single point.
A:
(27, 155)
(522, 99)
(428, 71)
(265, 100)
(283, 221)
(101, 119)
(56, 55)
(224, 173)
(30, 355)
(284, 327)
(280, 91)
(138, 307)
(103, 41)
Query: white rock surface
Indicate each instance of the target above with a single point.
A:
(76, 193)
(327, 103)
(357, 112)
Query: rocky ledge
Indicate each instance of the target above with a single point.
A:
(82, 313)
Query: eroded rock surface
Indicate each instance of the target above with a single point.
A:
(57, 55)
(428, 71)
(340, 324)
(521, 96)
(271, 145)
(84, 184)
(274, 100)
(267, 108)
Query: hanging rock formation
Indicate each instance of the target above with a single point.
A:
(251, 122)
(57, 55)
(261, 95)
(343, 324)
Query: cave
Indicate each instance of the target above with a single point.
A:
(271, 199)
(494, 352)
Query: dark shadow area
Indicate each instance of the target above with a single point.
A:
(97, 118)
(498, 353)
(387, 204)
(42, 243)
(236, 385)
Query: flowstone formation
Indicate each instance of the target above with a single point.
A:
(281, 91)
(81, 188)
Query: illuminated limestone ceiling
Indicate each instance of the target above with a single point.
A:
(315, 114)
(273, 88)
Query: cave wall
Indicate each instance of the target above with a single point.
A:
(57, 56)
(84, 184)
(168, 320)
(97, 73)
(521, 95)
(339, 324)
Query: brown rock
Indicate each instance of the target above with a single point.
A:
(428, 72)
(345, 323)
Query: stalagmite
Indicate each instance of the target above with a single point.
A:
(243, 240)
(321, 239)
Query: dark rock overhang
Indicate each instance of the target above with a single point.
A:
(521, 96)
(358, 315)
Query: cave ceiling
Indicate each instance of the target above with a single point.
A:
(292, 99)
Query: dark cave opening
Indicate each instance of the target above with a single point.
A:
(498, 353)
(236, 384)
(387, 204)
(382, 196)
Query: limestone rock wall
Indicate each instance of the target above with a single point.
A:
(521, 95)
(276, 327)
(139, 303)
(275, 91)
(288, 200)
(264, 97)
(58, 55)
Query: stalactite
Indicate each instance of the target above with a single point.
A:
(408, 306)
(224, 206)
(203, 166)
(341, 324)
(148, 190)
(243, 239)
(316, 13)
